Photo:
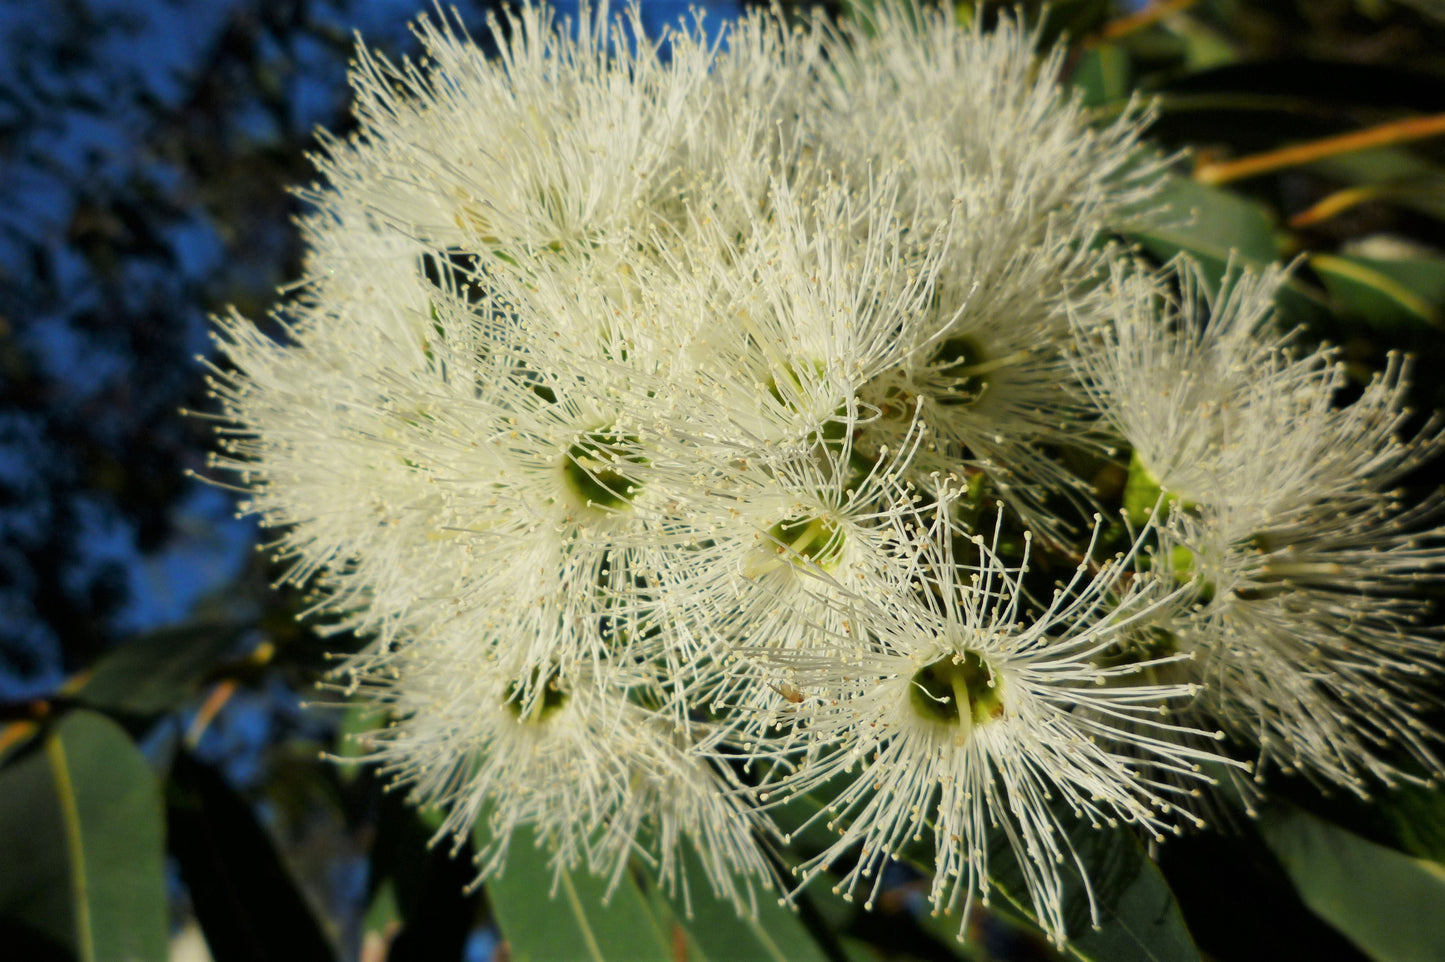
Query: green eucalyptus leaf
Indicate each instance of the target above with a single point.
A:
(1211, 224)
(716, 933)
(580, 921)
(382, 914)
(1139, 918)
(1103, 74)
(357, 720)
(1388, 294)
(802, 818)
(944, 927)
(244, 897)
(1142, 921)
(1417, 815)
(856, 950)
(1385, 902)
(1375, 164)
(82, 846)
(1403, 177)
(1062, 20)
(1220, 230)
(156, 673)
(1204, 47)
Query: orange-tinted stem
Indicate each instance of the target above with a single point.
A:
(1124, 26)
(1397, 132)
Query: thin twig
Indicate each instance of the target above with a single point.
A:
(1156, 11)
(209, 709)
(1397, 132)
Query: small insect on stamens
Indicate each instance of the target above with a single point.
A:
(789, 692)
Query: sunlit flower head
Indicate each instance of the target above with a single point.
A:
(591, 772)
(1007, 178)
(1309, 641)
(564, 140)
(965, 709)
(608, 407)
(1283, 506)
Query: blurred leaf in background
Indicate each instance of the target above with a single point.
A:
(82, 846)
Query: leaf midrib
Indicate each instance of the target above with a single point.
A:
(74, 846)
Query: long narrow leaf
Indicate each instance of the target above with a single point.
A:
(81, 845)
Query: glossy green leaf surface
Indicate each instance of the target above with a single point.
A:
(82, 845)
(1220, 229)
(1212, 224)
(1417, 815)
(1407, 179)
(356, 721)
(1139, 919)
(1103, 75)
(1387, 903)
(1143, 922)
(1390, 293)
(716, 933)
(578, 922)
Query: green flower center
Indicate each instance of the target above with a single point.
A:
(1142, 492)
(961, 690)
(529, 707)
(1182, 564)
(1147, 644)
(959, 372)
(791, 393)
(818, 540)
(595, 469)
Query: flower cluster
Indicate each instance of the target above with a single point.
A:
(690, 427)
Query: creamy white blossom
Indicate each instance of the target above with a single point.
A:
(1000, 161)
(965, 709)
(556, 143)
(577, 761)
(1197, 384)
(671, 428)
(1309, 642)
(1307, 634)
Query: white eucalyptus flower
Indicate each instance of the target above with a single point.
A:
(1196, 385)
(1306, 636)
(1008, 179)
(981, 126)
(566, 139)
(1309, 640)
(964, 711)
(614, 387)
(587, 769)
